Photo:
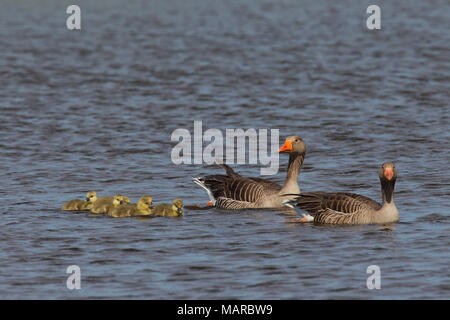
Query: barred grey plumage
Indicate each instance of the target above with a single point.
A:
(232, 191)
(349, 208)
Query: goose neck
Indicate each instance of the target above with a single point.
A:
(387, 191)
(293, 171)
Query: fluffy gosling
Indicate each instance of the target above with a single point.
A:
(169, 210)
(81, 205)
(106, 204)
(142, 208)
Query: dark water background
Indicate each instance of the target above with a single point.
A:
(94, 110)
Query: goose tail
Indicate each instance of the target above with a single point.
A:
(291, 199)
(201, 183)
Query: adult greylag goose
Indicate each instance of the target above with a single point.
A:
(349, 208)
(142, 208)
(232, 191)
(104, 204)
(169, 210)
(81, 205)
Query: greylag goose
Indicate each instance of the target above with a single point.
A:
(81, 205)
(169, 210)
(142, 208)
(104, 204)
(232, 191)
(349, 208)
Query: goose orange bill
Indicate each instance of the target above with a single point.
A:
(286, 147)
(388, 173)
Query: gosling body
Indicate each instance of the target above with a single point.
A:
(142, 208)
(169, 210)
(81, 205)
(106, 204)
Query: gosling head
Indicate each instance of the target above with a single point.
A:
(125, 199)
(145, 202)
(293, 144)
(178, 206)
(91, 196)
(117, 200)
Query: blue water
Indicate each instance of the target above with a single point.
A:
(95, 109)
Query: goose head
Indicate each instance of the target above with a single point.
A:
(91, 196)
(292, 145)
(177, 206)
(388, 176)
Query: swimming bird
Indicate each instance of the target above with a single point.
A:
(104, 204)
(349, 208)
(142, 208)
(169, 210)
(81, 205)
(233, 191)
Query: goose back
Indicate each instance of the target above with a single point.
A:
(239, 188)
(337, 208)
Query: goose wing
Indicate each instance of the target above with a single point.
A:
(336, 207)
(230, 172)
(340, 201)
(232, 204)
(238, 188)
(232, 191)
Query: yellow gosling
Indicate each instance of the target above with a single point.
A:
(142, 208)
(105, 204)
(169, 210)
(81, 205)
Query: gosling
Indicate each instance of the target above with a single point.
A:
(81, 205)
(169, 210)
(142, 208)
(106, 204)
